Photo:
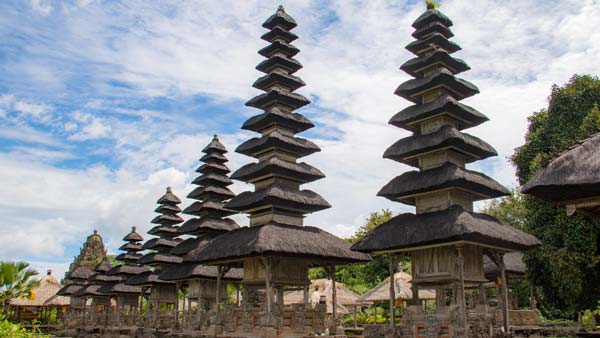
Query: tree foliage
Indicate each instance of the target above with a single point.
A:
(364, 276)
(16, 280)
(566, 269)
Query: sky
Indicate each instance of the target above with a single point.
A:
(103, 104)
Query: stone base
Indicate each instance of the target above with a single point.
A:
(214, 330)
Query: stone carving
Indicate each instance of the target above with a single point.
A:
(432, 327)
(298, 318)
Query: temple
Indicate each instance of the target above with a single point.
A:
(205, 286)
(91, 254)
(276, 250)
(445, 239)
(161, 312)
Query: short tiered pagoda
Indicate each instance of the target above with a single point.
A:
(127, 296)
(277, 250)
(163, 294)
(445, 239)
(203, 281)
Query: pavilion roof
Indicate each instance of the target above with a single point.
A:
(48, 287)
(275, 239)
(402, 289)
(513, 262)
(186, 271)
(345, 297)
(573, 175)
(446, 226)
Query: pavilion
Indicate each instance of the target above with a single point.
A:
(44, 302)
(571, 179)
(445, 239)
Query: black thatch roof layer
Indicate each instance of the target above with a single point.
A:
(69, 290)
(80, 274)
(126, 270)
(214, 158)
(466, 116)
(167, 219)
(146, 278)
(275, 239)
(296, 146)
(433, 27)
(133, 236)
(159, 258)
(450, 225)
(279, 47)
(101, 278)
(205, 208)
(103, 266)
(128, 257)
(168, 231)
(89, 290)
(212, 192)
(131, 247)
(291, 65)
(291, 82)
(513, 262)
(432, 16)
(406, 150)
(169, 198)
(203, 224)
(119, 288)
(279, 196)
(278, 96)
(218, 168)
(299, 172)
(416, 65)
(215, 146)
(435, 40)
(281, 19)
(459, 88)
(404, 187)
(186, 271)
(573, 175)
(212, 179)
(278, 33)
(278, 117)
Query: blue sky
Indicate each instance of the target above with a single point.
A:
(105, 103)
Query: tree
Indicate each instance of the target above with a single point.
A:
(566, 268)
(16, 281)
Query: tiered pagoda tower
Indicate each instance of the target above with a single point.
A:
(203, 281)
(445, 239)
(127, 296)
(163, 294)
(277, 250)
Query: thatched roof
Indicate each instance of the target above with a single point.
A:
(415, 66)
(279, 33)
(146, 278)
(48, 288)
(126, 270)
(430, 16)
(69, 290)
(445, 104)
(133, 236)
(276, 116)
(513, 262)
(190, 244)
(345, 297)
(432, 27)
(119, 288)
(572, 175)
(402, 287)
(437, 39)
(207, 224)
(453, 224)
(275, 239)
(81, 273)
(281, 19)
(279, 196)
(449, 175)
(186, 271)
(296, 145)
(168, 198)
(406, 149)
(461, 89)
(301, 172)
(215, 146)
(159, 258)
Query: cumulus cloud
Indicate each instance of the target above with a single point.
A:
(141, 51)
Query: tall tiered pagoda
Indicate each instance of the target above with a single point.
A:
(210, 221)
(162, 302)
(445, 239)
(127, 296)
(276, 250)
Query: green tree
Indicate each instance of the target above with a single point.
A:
(16, 281)
(566, 269)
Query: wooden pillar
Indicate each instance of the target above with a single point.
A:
(355, 322)
(392, 293)
(200, 290)
(413, 286)
(237, 294)
(183, 310)
(331, 271)
(177, 285)
(268, 274)
(305, 294)
(504, 289)
(461, 287)
(218, 296)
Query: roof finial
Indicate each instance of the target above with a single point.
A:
(280, 8)
(215, 137)
(431, 4)
(49, 272)
(169, 191)
(133, 229)
(95, 231)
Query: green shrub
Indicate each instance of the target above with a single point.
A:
(13, 330)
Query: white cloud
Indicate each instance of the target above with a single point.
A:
(44, 7)
(517, 50)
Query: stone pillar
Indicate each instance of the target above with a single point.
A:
(460, 297)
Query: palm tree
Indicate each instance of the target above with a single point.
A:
(16, 281)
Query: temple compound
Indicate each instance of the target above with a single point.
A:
(276, 250)
(445, 239)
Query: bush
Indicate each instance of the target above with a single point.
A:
(13, 330)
